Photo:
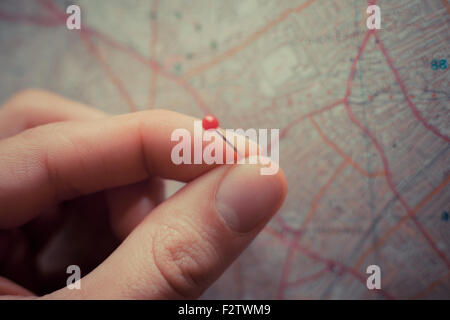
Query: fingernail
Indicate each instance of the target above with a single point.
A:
(246, 198)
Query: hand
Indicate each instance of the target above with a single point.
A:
(80, 187)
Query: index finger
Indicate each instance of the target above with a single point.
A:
(59, 161)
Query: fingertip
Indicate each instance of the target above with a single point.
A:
(246, 198)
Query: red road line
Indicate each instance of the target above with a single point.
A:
(348, 91)
(400, 82)
(309, 278)
(330, 263)
(391, 185)
(112, 43)
(109, 72)
(333, 263)
(446, 5)
(85, 37)
(378, 146)
(299, 233)
(155, 67)
(253, 37)
(286, 265)
(36, 20)
(286, 129)
(286, 269)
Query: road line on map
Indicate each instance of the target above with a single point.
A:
(253, 37)
(390, 183)
(109, 72)
(405, 218)
(343, 155)
(297, 236)
(430, 287)
(400, 82)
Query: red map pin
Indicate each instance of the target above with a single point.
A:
(210, 122)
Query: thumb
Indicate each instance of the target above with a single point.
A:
(186, 243)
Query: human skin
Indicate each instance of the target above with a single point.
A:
(78, 186)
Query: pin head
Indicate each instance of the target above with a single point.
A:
(210, 122)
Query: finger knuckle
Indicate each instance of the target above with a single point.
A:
(183, 257)
(48, 159)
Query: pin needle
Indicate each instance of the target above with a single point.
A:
(210, 122)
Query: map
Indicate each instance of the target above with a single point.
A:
(364, 119)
